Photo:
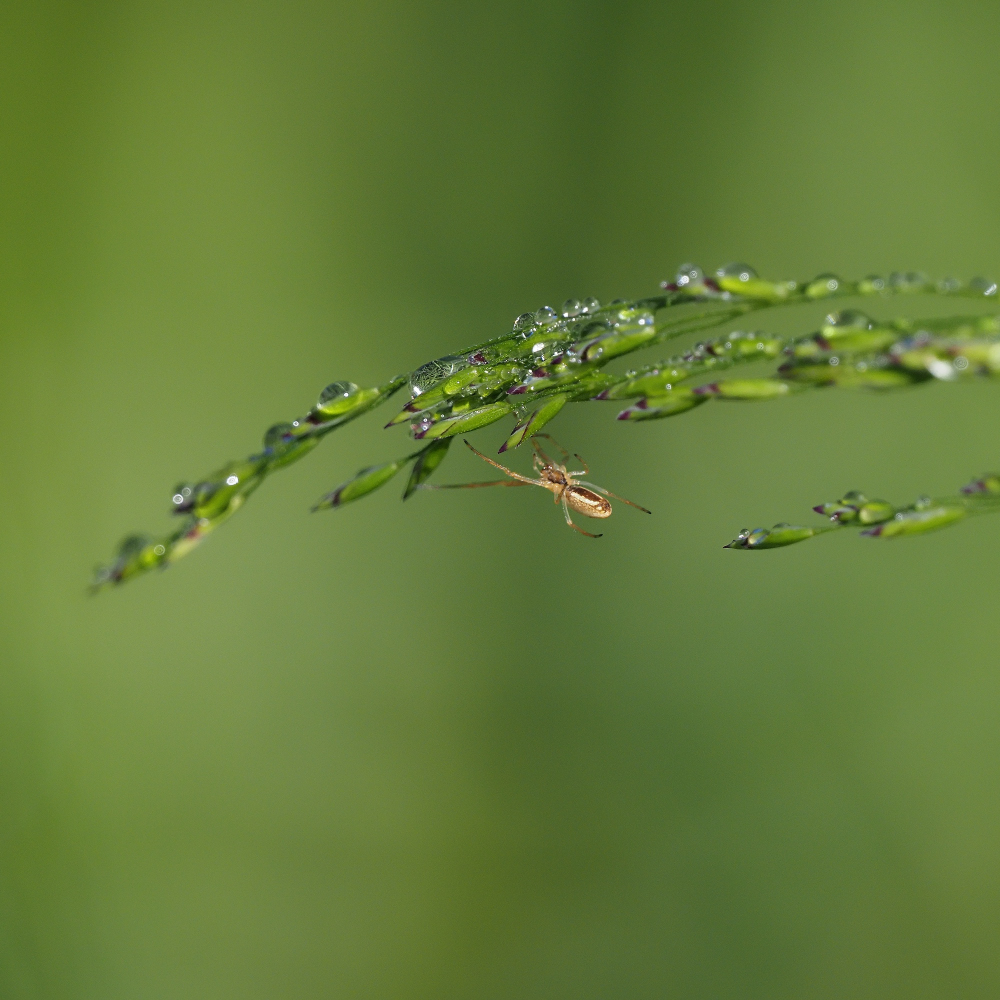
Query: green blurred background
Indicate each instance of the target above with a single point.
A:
(451, 749)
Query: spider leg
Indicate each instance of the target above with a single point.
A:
(608, 493)
(539, 454)
(583, 461)
(554, 441)
(472, 486)
(503, 468)
(569, 520)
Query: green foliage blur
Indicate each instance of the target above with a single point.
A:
(450, 749)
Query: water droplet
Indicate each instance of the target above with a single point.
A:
(983, 286)
(688, 274)
(232, 480)
(743, 272)
(159, 550)
(828, 282)
(909, 282)
(546, 314)
(336, 390)
(432, 372)
(834, 361)
(182, 496)
(274, 436)
(132, 545)
(846, 319)
(961, 363)
(590, 305)
(571, 308)
(875, 281)
(947, 285)
(940, 369)
(523, 323)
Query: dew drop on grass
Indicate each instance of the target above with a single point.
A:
(744, 272)
(275, 434)
(847, 319)
(688, 274)
(132, 546)
(336, 390)
(828, 282)
(524, 323)
(432, 372)
(984, 286)
(909, 282)
(182, 494)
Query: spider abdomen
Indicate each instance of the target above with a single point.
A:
(586, 502)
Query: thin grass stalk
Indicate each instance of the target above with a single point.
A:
(551, 358)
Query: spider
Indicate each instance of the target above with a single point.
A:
(555, 477)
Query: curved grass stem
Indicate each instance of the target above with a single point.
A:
(554, 357)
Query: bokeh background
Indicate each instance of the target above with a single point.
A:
(451, 749)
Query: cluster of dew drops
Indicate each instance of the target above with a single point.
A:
(570, 318)
(690, 279)
(547, 320)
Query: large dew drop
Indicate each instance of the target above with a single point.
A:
(432, 372)
(275, 436)
(336, 391)
(843, 320)
(823, 284)
(524, 323)
(688, 274)
(743, 272)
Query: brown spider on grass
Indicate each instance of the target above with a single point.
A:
(556, 478)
